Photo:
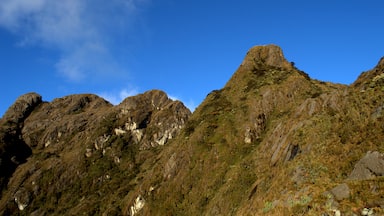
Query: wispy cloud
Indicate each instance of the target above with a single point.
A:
(118, 96)
(81, 31)
(190, 104)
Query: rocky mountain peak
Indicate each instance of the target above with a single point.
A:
(89, 145)
(263, 66)
(13, 150)
(152, 98)
(381, 62)
(271, 55)
(372, 78)
(22, 107)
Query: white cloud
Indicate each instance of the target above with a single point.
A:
(117, 97)
(172, 97)
(81, 31)
(88, 60)
(191, 105)
(12, 12)
(127, 93)
(57, 24)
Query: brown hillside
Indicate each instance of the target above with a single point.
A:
(83, 152)
(273, 142)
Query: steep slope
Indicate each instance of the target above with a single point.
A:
(272, 141)
(82, 152)
(13, 150)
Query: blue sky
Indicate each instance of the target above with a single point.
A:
(119, 48)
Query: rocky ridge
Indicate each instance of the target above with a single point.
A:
(78, 147)
(272, 141)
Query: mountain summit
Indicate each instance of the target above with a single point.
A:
(270, 55)
(273, 141)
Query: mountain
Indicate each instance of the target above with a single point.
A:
(272, 141)
(79, 153)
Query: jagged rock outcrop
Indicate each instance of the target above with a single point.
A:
(370, 166)
(23, 106)
(341, 192)
(273, 141)
(151, 111)
(270, 55)
(13, 149)
(80, 149)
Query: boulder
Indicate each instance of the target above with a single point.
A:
(137, 206)
(341, 192)
(370, 166)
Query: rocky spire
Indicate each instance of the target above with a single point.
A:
(22, 107)
(270, 55)
(262, 65)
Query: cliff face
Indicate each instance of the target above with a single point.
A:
(272, 141)
(13, 149)
(78, 153)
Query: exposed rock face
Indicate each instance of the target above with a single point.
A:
(13, 149)
(22, 199)
(271, 142)
(341, 192)
(270, 55)
(151, 111)
(23, 106)
(370, 166)
(78, 147)
(137, 206)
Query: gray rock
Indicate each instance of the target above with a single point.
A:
(170, 167)
(38, 212)
(22, 198)
(298, 176)
(22, 107)
(370, 166)
(341, 192)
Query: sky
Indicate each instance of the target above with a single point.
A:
(120, 48)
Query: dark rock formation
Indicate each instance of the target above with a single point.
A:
(23, 106)
(13, 149)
